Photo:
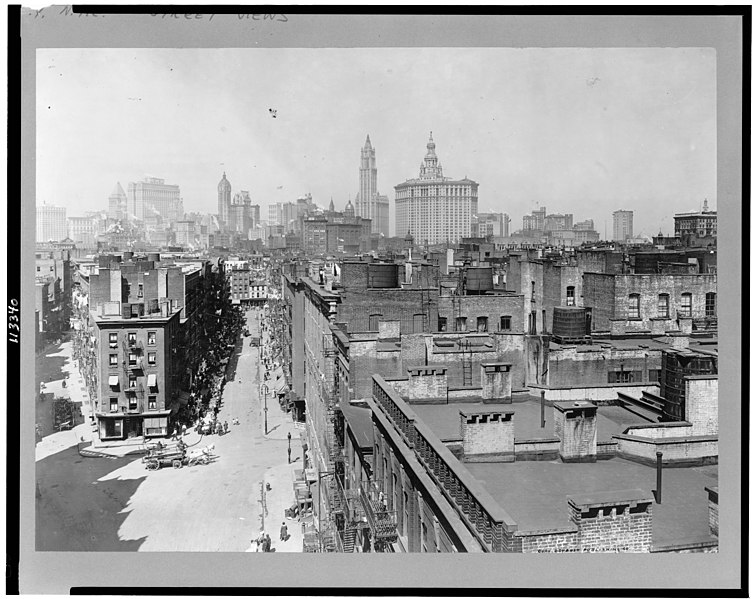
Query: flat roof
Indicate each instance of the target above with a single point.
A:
(535, 493)
(444, 421)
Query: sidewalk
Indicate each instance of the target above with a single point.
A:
(75, 390)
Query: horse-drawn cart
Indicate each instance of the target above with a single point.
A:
(161, 455)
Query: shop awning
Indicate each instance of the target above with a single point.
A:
(112, 381)
(152, 380)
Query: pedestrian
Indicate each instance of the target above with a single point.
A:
(225, 426)
(289, 454)
(183, 430)
(284, 531)
(175, 434)
(268, 543)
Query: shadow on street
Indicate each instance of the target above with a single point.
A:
(75, 512)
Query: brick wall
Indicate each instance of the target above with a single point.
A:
(599, 293)
(491, 307)
(566, 541)
(701, 405)
(575, 424)
(362, 309)
(609, 296)
(487, 437)
(619, 521)
(677, 451)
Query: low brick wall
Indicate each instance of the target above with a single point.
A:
(662, 430)
(461, 394)
(536, 449)
(596, 393)
(556, 541)
(677, 451)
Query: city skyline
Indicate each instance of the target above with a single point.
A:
(582, 131)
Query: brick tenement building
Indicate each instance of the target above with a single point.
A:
(655, 303)
(137, 369)
(446, 492)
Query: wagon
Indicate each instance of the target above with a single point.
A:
(162, 456)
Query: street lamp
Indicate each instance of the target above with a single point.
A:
(264, 390)
(289, 447)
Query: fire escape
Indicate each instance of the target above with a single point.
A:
(130, 370)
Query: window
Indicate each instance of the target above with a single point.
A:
(38, 269)
(132, 382)
(113, 404)
(132, 359)
(442, 323)
(132, 339)
(482, 324)
(623, 376)
(152, 358)
(570, 295)
(374, 319)
(663, 305)
(461, 323)
(686, 305)
(654, 376)
(151, 338)
(135, 310)
(710, 305)
(133, 403)
(634, 305)
(533, 291)
(113, 340)
(114, 359)
(505, 323)
(140, 291)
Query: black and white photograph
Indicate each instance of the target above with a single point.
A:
(390, 284)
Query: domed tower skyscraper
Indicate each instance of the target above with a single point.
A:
(224, 201)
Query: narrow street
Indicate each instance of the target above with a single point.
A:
(117, 504)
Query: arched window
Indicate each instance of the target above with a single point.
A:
(570, 295)
(634, 305)
(710, 304)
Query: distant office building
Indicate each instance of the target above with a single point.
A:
(585, 225)
(83, 230)
(117, 203)
(153, 200)
(494, 224)
(558, 222)
(434, 208)
(534, 221)
(697, 228)
(622, 225)
(51, 223)
(369, 203)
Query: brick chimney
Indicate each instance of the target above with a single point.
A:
(427, 382)
(613, 521)
(701, 403)
(496, 382)
(576, 426)
(487, 437)
(389, 329)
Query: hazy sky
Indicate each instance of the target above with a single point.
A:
(586, 131)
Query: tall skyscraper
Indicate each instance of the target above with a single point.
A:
(369, 203)
(622, 225)
(224, 201)
(117, 203)
(151, 197)
(435, 208)
(51, 223)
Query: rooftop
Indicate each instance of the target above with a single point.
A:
(359, 419)
(534, 493)
(443, 419)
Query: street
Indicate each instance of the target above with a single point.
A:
(112, 504)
